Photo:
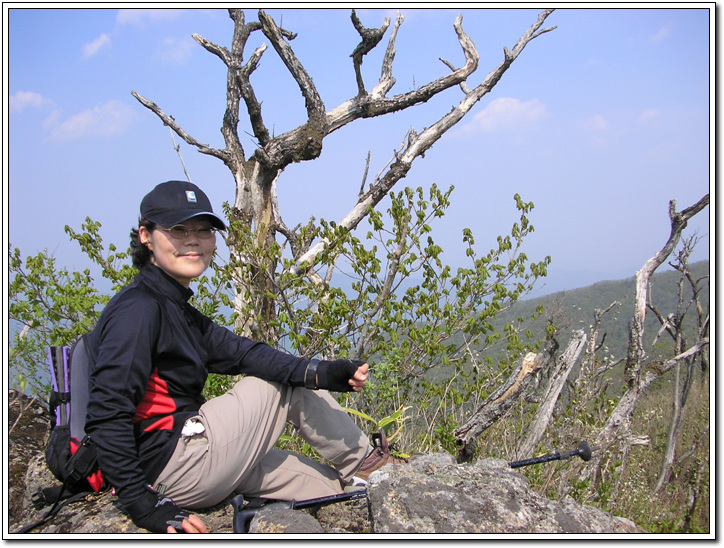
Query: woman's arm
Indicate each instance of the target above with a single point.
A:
(118, 380)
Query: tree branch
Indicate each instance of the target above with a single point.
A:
(235, 88)
(370, 39)
(377, 104)
(220, 51)
(364, 176)
(498, 403)
(417, 146)
(387, 81)
(304, 142)
(655, 372)
(170, 122)
(387, 289)
(636, 327)
(253, 106)
(558, 379)
(314, 104)
(618, 426)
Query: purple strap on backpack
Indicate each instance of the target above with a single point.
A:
(58, 358)
(66, 375)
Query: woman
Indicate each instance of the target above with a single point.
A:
(159, 444)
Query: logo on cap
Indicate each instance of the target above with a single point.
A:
(191, 196)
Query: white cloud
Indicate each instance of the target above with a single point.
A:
(176, 51)
(91, 48)
(596, 123)
(649, 115)
(508, 112)
(52, 120)
(139, 16)
(663, 34)
(601, 131)
(106, 120)
(21, 100)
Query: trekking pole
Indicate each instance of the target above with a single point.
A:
(244, 513)
(584, 451)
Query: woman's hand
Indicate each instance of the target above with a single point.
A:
(358, 380)
(191, 525)
(342, 375)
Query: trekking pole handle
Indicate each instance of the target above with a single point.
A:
(584, 451)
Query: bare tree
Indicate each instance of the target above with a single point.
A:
(499, 402)
(673, 325)
(616, 436)
(561, 371)
(255, 174)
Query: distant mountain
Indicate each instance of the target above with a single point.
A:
(574, 309)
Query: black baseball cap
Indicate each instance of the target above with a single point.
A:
(174, 202)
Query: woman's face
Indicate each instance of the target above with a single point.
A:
(181, 258)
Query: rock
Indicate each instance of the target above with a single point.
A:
(430, 494)
(352, 516)
(284, 521)
(433, 494)
(28, 424)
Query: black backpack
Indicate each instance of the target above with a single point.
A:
(70, 454)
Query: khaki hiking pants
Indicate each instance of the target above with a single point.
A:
(234, 452)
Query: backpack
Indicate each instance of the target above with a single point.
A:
(69, 454)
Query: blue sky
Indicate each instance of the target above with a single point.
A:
(599, 123)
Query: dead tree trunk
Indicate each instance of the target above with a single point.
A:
(255, 206)
(616, 436)
(558, 379)
(674, 326)
(498, 403)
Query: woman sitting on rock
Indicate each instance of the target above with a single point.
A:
(159, 444)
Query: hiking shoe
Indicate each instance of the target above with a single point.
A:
(379, 456)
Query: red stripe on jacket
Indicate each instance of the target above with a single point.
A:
(156, 402)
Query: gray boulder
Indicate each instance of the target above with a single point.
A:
(283, 521)
(434, 494)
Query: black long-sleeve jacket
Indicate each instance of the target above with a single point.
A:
(153, 352)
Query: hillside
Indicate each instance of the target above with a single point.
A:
(574, 309)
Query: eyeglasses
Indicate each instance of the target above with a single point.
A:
(180, 232)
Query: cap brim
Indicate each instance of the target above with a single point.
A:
(179, 216)
(217, 221)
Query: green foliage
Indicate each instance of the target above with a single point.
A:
(115, 266)
(216, 385)
(670, 510)
(53, 307)
(291, 441)
(386, 424)
(425, 326)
